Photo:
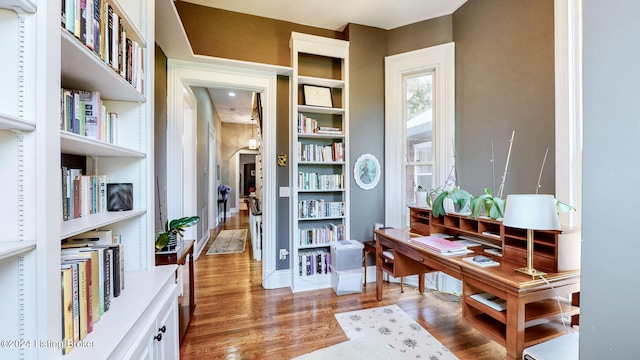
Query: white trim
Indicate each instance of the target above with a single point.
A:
(441, 59)
(236, 178)
(181, 73)
(568, 124)
(189, 176)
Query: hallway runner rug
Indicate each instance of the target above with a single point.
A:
(228, 242)
(382, 333)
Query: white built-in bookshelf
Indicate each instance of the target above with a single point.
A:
(319, 157)
(39, 57)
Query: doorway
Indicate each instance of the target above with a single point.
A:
(182, 74)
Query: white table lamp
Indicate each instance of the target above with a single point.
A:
(531, 212)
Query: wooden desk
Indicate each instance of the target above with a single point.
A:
(530, 303)
(180, 257)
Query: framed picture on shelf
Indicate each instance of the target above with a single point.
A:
(366, 171)
(317, 96)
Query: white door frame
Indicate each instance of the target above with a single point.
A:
(189, 197)
(236, 179)
(212, 178)
(241, 76)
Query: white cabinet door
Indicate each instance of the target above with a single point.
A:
(166, 341)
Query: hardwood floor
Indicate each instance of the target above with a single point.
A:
(236, 318)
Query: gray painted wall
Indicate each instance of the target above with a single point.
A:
(608, 313)
(505, 83)
(367, 48)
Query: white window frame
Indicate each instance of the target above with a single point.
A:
(441, 60)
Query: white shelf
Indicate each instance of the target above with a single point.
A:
(71, 143)
(312, 282)
(335, 51)
(24, 5)
(331, 83)
(320, 136)
(321, 218)
(83, 224)
(82, 69)
(141, 288)
(8, 122)
(320, 110)
(321, 163)
(9, 249)
(319, 190)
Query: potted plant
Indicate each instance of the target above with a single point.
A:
(421, 196)
(488, 204)
(452, 200)
(167, 240)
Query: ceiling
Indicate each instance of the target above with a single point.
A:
(326, 14)
(336, 14)
(235, 109)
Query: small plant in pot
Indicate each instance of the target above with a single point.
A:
(421, 196)
(167, 240)
(454, 200)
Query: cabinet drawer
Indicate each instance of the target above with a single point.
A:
(519, 256)
(419, 228)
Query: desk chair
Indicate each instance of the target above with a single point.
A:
(370, 246)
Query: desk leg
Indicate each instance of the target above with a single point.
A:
(378, 271)
(515, 327)
(192, 294)
(421, 282)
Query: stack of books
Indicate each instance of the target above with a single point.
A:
(439, 245)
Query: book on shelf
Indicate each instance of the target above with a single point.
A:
(94, 256)
(66, 275)
(313, 262)
(490, 300)
(439, 245)
(112, 275)
(84, 322)
(83, 195)
(84, 113)
(100, 29)
(73, 266)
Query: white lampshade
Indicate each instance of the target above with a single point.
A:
(531, 211)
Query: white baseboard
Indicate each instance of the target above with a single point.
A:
(278, 279)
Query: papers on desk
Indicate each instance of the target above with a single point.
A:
(439, 245)
(490, 300)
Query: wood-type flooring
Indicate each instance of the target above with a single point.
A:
(236, 318)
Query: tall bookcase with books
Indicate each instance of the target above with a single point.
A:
(319, 156)
(40, 57)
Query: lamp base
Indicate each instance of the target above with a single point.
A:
(531, 272)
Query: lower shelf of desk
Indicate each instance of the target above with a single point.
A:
(542, 320)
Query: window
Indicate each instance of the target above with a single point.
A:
(419, 125)
(418, 116)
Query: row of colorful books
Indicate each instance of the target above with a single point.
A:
(314, 262)
(321, 153)
(92, 274)
(319, 208)
(315, 181)
(82, 195)
(308, 125)
(100, 28)
(84, 113)
(321, 235)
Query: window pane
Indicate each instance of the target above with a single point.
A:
(421, 175)
(418, 114)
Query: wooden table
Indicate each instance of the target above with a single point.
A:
(185, 311)
(223, 203)
(532, 311)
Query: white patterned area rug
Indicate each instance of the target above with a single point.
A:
(228, 242)
(382, 333)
